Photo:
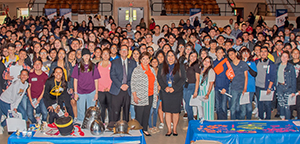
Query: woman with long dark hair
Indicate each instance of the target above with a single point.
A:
(171, 78)
(207, 79)
(86, 77)
(192, 84)
(55, 93)
(160, 56)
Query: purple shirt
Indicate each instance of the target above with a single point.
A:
(85, 84)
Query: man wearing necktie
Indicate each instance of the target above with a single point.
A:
(120, 74)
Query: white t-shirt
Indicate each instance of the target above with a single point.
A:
(156, 38)
(15, 71)
(14, 93)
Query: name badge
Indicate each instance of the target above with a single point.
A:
(265, 66)
(34, 79)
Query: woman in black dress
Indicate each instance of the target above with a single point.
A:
(171, 78)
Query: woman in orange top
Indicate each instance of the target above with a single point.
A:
(144, 90)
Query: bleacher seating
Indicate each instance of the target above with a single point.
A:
(184, 6)
(77, 6)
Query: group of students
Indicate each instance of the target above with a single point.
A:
(146, 74)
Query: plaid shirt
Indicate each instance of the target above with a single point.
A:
(6, 72)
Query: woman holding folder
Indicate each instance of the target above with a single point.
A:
(286, 84)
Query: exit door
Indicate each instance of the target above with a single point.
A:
(130, 15)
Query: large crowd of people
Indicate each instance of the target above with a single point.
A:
(148, 74)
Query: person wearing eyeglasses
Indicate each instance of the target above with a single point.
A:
(278, 51)
(151, 51)
(120, 74)
(239, 43)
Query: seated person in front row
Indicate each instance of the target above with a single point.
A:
(12, 96)
(56, 93)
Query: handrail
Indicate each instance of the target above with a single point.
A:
(226, 11)
(274, 6)
(255, 12)
(70, 5)
(294, 6)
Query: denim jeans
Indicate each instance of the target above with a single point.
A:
(187, 93)
(249, 107)
(263, 106)
(40, 109)
(282, 96)
(84, 100)
(153, 114)
(237, 111)
(221, 105)
(23, 104)
(4, 107)
(132, 111)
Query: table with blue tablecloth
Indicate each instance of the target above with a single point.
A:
(14, 139)
(244, 132)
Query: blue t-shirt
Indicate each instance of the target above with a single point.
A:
(238, 81)
(251, 79)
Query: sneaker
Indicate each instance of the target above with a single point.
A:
(171, 125)
(161, 125)
(1, 130)
(256, 115)
(75, 120)
(228, 113)
(3, 117)
(255, 111)
(265, 115)
(156, 129)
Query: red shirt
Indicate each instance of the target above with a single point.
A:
(37, 83)
(249, 28)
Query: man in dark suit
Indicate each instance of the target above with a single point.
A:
(120, 74)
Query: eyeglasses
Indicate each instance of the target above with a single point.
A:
(150, 50)
(181, 47)
(43, 53)
(113, 48)
(123, 50)
(18, 45)
(207, 39)
(279, 45)
(188, 49)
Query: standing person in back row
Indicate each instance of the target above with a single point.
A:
(120, 74)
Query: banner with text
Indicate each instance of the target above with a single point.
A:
(66, 12)
(280, 17)
(195, 12)
(50, 13)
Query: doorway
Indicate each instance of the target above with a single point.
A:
(130, 15)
